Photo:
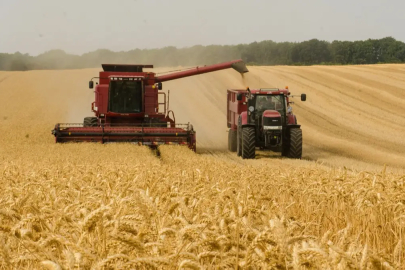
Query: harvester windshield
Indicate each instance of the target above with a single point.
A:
(125, 96)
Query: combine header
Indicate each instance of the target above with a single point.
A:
(127, 108)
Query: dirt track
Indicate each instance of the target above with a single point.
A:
(353, 116)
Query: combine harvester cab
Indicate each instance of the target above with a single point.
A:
(263, 118)
(127, 108)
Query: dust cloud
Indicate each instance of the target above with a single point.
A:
(252, 81)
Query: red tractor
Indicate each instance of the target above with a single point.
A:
(127, 108)
(263, 118)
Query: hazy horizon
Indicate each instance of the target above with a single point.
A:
(77, 27)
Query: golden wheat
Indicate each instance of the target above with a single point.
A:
(194, 211)
(92, 206)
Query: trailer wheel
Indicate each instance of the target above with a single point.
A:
(239, 141)
(295, 143)
(285, 147)
(248, 143)
(90, 122)
(232, 140)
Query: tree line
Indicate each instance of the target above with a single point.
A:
(311, 52)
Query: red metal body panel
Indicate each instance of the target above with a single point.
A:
(271, 113)
(101, 101)
(244, 118)
(235, 108)
(151, 101)
(291, 119)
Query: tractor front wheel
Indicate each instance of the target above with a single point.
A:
(293, 149)
(232, 143)
(248, 143)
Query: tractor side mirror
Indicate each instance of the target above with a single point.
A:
(303, 97)
(239, 96)
(91, 84)
(159, 86)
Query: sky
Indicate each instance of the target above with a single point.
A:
(37, 26)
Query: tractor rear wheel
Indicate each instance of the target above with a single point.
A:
(90, 122)
(248, 143)
(295, 144)
(232, 140)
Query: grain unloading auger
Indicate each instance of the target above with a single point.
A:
(127, 108)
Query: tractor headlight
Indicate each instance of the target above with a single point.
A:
(272, 127)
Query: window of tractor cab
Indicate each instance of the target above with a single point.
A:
(125, 96)
(270, 102)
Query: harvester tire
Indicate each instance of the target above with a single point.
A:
(295, 140)
(232, 140)
(90, 122)
(248, 143)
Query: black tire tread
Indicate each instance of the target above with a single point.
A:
(248, 143)
(90, 122)
(295, 147)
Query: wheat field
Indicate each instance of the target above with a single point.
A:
(120, 206)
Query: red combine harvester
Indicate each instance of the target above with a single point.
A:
(263, 118)
(127, 108)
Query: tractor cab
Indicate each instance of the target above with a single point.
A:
(269, 102)
(261, 106)
(268, 114)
